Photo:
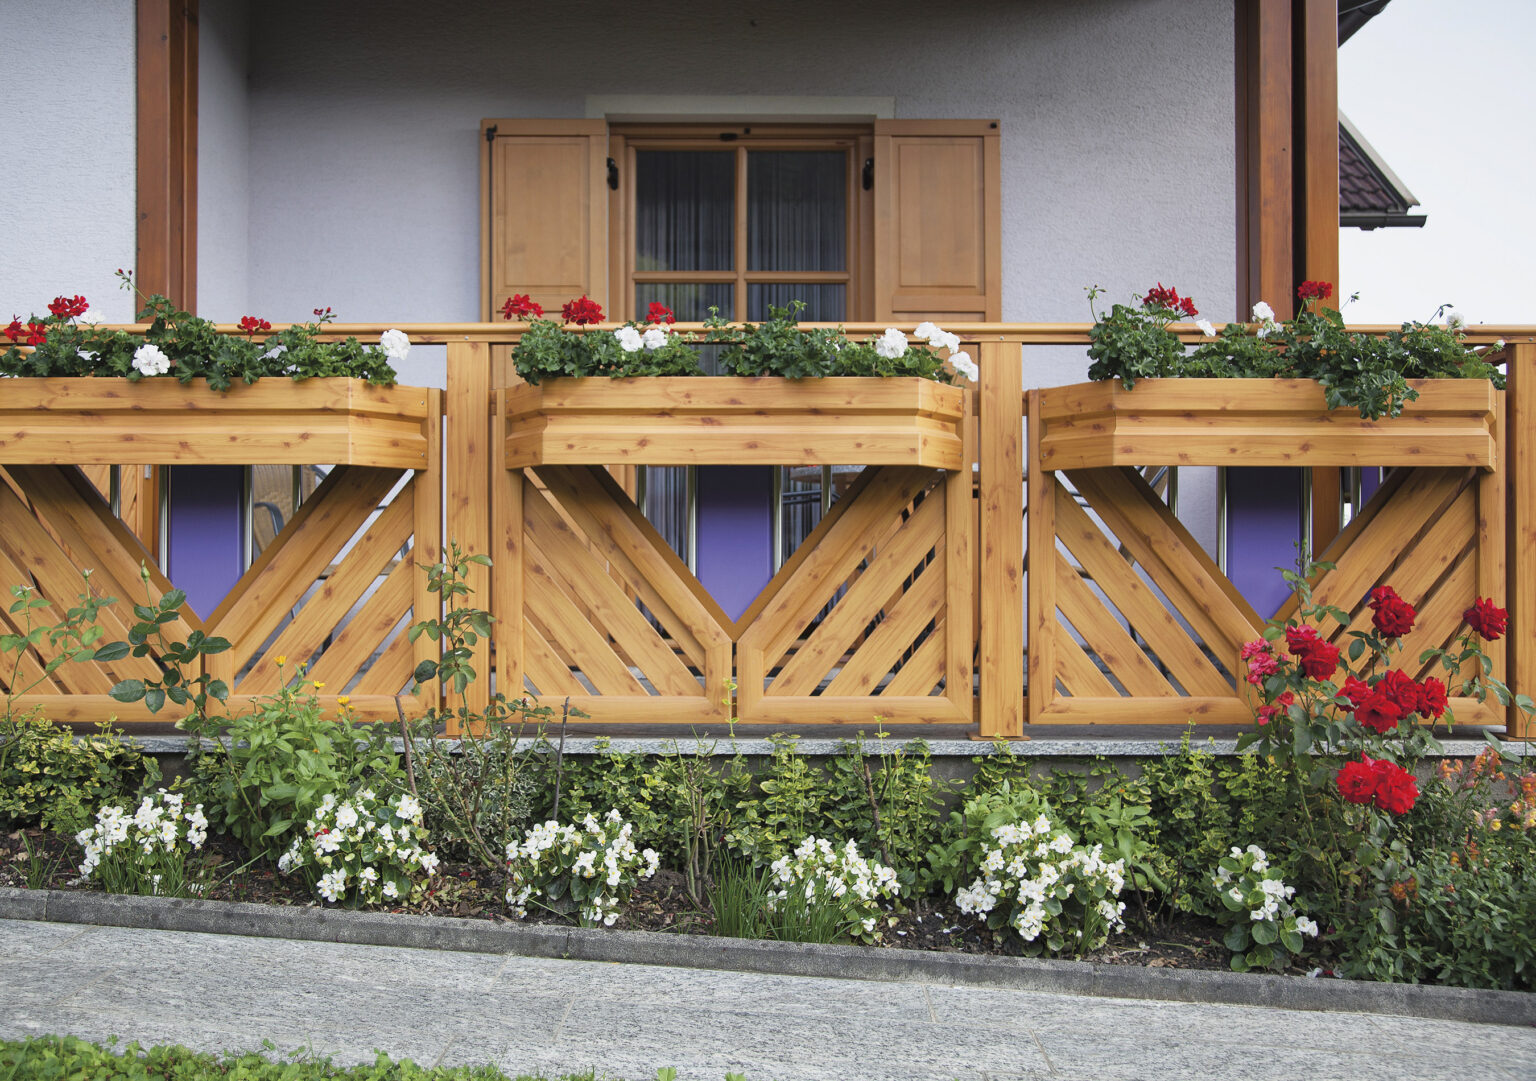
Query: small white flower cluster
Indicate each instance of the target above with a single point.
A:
(1259, 902)
(1047, 886)
(396, 344)
(364, 845)
(598, 864)
(154, 833)
(1264, 315)
(148, 359)
(943, 339)
(820, 871)
(632, 340)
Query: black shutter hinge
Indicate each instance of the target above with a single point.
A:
(490, 134)
(869, 173)
(613, 175)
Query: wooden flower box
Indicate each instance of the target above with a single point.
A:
(160, 422)
(1261, 422)
(734, 420)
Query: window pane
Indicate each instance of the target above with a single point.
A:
(797, 210)
(685, 205)
(664, 500)
(823, 303)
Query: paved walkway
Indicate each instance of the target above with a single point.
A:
(219, 992)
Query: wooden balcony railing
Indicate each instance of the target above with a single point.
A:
(1001, 562)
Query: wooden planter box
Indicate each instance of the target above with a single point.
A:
(1265, 422)
(160, 422)
(734, 420)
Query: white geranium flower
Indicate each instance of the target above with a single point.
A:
(395, 344)
(629, 339)
(1455, 322)
(89, 319)
(149, 360)
(1206, 327)
(963, 364)
(1263, 313)
(945, 340)
(654, 338)
(926, 331)
(891, 344)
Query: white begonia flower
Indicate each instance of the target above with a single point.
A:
(149, 360)
(1305, 926)
(428, 861)
(395, 344)
(891, 344)
(1206, 327)
(332, 885)
(654, 338)
(1263, 313)
(1455, 321)
(409, 808)
(629, 339)
(391, 891)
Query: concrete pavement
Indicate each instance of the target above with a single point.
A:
(217, 992)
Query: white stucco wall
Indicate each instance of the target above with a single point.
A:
(223, 161)
(67, 123)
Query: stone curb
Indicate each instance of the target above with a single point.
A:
(780, 958)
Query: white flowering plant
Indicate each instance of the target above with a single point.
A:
(1263, 928)
(1060, 897)
(777, 346)
(591, 869)
(70, 342)
(365, 848)
(824, 892)
(148, 852)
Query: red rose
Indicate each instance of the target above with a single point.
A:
(37, 333)
(521, 306)
(1432, 700)
(250, 324)
(13, 331)
(1379, 713)
(1322, 662)
(1400, 689)
(659, 313)
(1391, 615)
(1487, 619)
(1396, 790)
(1159, 297)
(1267, 713)
(1355, 690)
(68, 307)
(1357, 781)
(582, 312)
(1312, 290)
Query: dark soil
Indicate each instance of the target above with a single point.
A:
(660, 904)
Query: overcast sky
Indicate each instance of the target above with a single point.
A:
(1445, 90)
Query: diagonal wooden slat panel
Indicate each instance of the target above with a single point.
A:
(866, 597)
(24, 669)
(1109, 570)
(614, 525)
(832, 560)
(588, 649)
(903, 622)
(1077, 672)
(329, 604)
(392, 669)
(583, 575)
(1104, 635)
(921, 672)
(1440, 619)
(544, 668)
(358, 641)
(294, 561)
(1176, 563)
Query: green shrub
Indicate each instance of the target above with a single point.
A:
(52, 779)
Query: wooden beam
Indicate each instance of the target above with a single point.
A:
(166, 259)
(1265, 181)
(1520, 491)
(1002, 540)
(1316, 117)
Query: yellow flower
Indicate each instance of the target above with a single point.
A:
(281, 661)
(319, 685)
(1496, 824)
(342, 700)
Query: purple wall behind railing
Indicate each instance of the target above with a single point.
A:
(203, 549)
(1265, 517)
(735, 533)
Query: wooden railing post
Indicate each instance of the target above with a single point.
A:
(1520, 491)
(470, 462)
(1002, 539)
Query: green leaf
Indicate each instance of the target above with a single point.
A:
(425, 671)
(1236, 938)
(154, 699)
(1264, 932)
(129, 690)
(112, 651)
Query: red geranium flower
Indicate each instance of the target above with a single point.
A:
(68, 307)
(1379, 713)
(14, 330)
(1357, 781)
(1391, 615)
(1487, 619)
(323, 314)
(659, 313)
(520, 306)
(1160, 297)
(37, 333)
(1432, 700)
(1312, 290)
(250, 324)
(582, 312)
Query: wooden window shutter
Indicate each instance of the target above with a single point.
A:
(938, 216)
(545, 227)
